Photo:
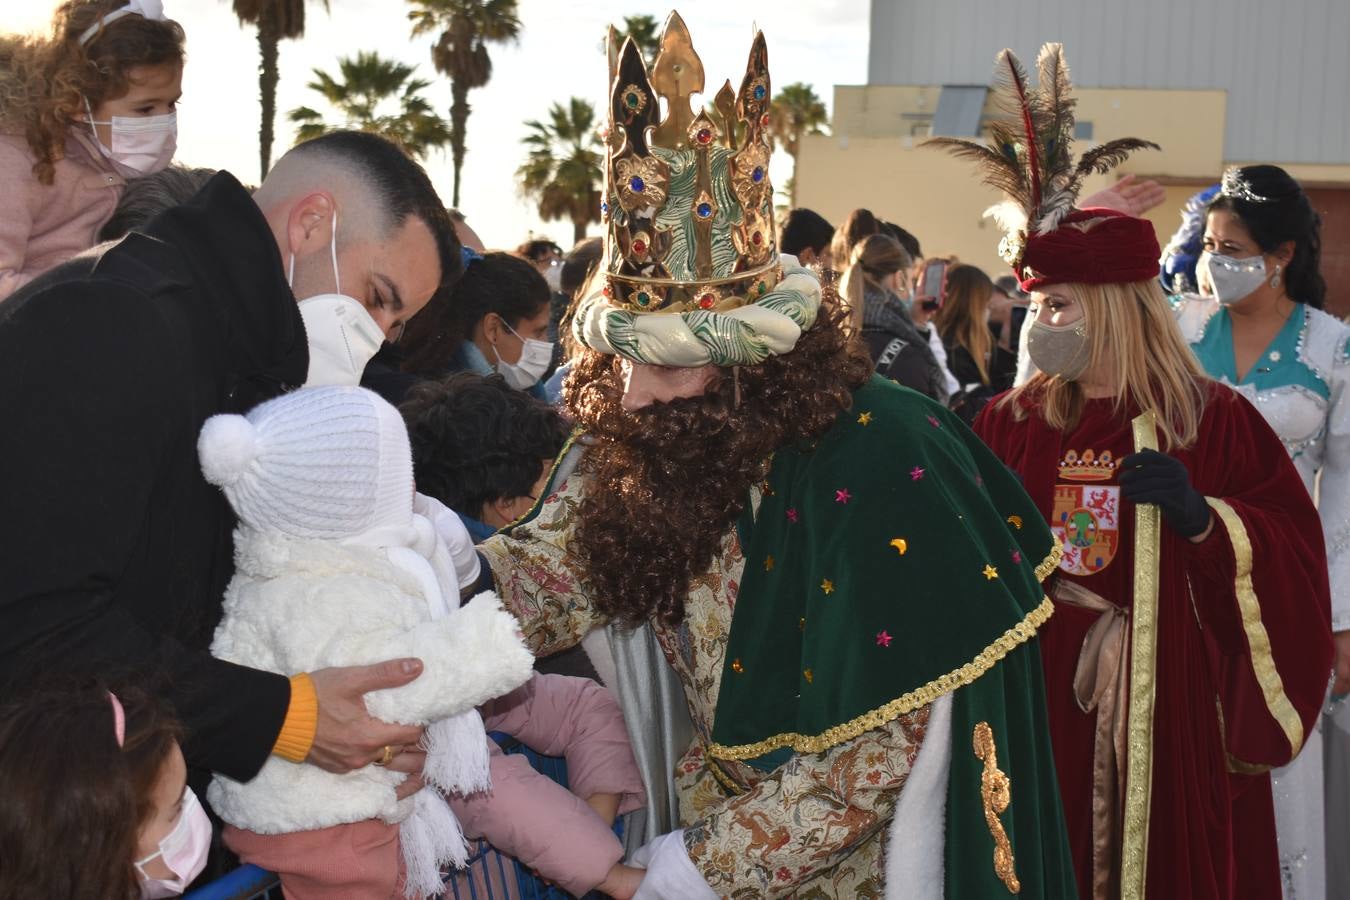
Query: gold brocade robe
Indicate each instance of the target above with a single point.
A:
(812, 828)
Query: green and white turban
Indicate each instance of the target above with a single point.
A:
(745, 336)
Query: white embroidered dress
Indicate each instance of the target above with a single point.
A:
(1301, 385)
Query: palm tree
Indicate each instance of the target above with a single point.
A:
(461, 54)
(796, 112)
(277, 20)
(563, 172)
(645, 32)
(362, 96)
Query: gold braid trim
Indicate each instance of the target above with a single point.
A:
(1050, 563)
(1020, 633)
(1263, 660)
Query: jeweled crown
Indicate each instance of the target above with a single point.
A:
(688, 202)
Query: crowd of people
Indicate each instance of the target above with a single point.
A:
(831, 568)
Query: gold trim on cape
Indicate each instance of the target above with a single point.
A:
(920, 696)
(1050, 563)
(1263, 661)
(1143, 681)
(996, 792)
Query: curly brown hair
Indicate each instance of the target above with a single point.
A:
(44, 82)
(671, 479)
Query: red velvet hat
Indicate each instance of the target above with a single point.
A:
(1027, 157)
(1090, 246)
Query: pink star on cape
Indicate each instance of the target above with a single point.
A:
(933, 420)
(1017, 557)
(792, 515)
(883, 639)
(842, 496)
(916, 473)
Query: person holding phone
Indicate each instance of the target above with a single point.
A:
(930, 279)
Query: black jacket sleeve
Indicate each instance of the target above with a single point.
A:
(91, 415)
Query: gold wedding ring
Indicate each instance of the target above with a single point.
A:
(386, 757)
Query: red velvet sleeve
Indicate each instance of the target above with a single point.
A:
(1259, 584)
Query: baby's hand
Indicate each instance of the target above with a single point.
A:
(621, 882)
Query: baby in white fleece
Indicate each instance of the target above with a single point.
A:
(334, 567)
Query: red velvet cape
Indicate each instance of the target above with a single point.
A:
(1212, 827)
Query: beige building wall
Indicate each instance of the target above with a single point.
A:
(874, 160)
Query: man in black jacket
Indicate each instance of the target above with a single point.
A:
(114, 551)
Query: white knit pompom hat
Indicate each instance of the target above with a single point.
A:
(323, 462)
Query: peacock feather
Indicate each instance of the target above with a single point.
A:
(1028, 155)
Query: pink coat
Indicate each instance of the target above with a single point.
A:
(43, 225)
(527, 815)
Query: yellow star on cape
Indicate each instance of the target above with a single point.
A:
(865, 419)
(768, 564)
(901, 545)
(809, 675)
(990, 572)
(827, 586)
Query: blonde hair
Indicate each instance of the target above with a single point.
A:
(1134, 342)
(873, 258)
(44, 82)
(963, 317)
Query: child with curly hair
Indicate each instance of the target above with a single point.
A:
(81, 112)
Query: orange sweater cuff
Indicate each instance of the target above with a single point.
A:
(302, 720)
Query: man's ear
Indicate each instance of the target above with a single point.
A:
(309, 225)
(807, 257)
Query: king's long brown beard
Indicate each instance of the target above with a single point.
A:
(667, 483)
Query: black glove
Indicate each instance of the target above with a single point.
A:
(1151, 477)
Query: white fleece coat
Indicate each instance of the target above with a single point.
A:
(299, 606)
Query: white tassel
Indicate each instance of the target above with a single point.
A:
(430, 838)
(457, 754)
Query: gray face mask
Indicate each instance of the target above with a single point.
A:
(1059, 349)
(1233, 279)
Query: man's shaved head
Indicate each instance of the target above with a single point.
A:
(396, 243)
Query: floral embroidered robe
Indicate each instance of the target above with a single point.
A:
(813, 824)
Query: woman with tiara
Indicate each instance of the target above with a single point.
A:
(1264, 333)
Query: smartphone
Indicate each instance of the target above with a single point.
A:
(934, 284)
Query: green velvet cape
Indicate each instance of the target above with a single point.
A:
(894, 560)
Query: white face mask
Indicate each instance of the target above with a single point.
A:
(1233, 280)
(184, 851)
(553, 275)
(535, 358)
(140, 144)
(341, 334)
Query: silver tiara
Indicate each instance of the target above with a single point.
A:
(1239, 188)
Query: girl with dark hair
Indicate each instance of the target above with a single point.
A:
(980, 365)
(97, 805)
(1263, 332)
(80, 113)
(495, 319)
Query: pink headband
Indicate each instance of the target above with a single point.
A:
(119, 718)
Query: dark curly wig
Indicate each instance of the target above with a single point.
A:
(475, 440)
(668, 481)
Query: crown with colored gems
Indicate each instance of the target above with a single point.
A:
(688, 203)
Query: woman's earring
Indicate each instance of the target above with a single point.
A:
(1275, 280)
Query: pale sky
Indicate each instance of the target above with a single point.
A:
(821, 42)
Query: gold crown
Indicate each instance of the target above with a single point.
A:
(688, 202)
(1088, 467)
